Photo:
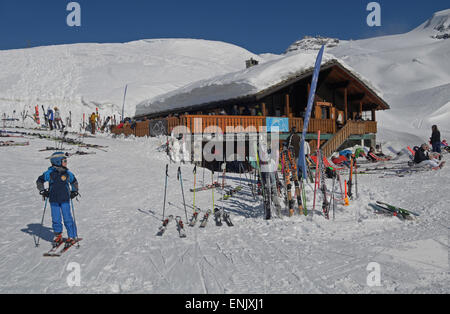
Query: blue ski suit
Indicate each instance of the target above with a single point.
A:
(59, 179)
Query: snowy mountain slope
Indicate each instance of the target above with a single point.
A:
(412, 70)
(313, 43)
(81, 77)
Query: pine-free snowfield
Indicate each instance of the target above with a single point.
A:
(120, 212)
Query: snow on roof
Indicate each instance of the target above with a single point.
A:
(242, 83)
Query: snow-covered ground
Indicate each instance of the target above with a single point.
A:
(122, 190)
(120, 211)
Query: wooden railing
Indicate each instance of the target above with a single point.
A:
(222, 124)
(140, 129)
(198, 124)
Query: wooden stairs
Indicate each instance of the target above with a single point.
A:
(350, 128)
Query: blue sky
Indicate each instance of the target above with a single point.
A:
(259, 26)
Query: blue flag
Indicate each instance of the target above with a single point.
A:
(312, 93)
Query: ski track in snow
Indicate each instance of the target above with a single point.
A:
(120, 211)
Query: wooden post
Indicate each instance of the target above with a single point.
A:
(287, 108)
(264, 112)
(360, 108)
(346, 105)
(373, 115)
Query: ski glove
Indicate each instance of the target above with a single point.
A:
(44, 193)
(73, 194)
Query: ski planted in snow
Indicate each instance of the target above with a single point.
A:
(194, 218)
(180, 227)
(218, 217)
(205, 219)
(163, 228)
(227, 219)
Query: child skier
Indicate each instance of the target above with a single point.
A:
(59, 194)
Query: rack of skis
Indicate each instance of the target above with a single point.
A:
(283, 190)
(218, 212)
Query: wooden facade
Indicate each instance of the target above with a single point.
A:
(340, 98)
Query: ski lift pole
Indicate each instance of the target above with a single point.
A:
(180, 178)
(123, 106)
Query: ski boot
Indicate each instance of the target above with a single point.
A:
(70, 242)
(57, 239)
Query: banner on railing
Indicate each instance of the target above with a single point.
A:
(158, 127)
(276, 124)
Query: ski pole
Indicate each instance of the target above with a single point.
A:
(316, 184)
(195, 177)
(212, 182)
(179, 177)
(74, 219)
(42, 222)
(165, 191)
(356, 178)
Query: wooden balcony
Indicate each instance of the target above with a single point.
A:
(198, 124)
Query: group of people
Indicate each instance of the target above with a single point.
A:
(422, 155)
(54, 118)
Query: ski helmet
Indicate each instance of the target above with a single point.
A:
(57, 158)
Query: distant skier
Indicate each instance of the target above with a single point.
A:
(93, 121)
(60, 194)
(50, 117)
(422, 158)
(435, 139)
(58, 120)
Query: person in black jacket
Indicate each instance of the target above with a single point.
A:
(436, 139)
(293, 141)
(421, 158)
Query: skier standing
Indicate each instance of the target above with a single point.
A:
(58, 120)
(436, 139)
(93, 120)
(59, 194)
(50, 117)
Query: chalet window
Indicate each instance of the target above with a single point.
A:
(367, 115)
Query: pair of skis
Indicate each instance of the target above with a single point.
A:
(53, 252)
(396, 211)
(230, 193)
(207, 187)
(178, 220)
(179, 224)
(293, 165)
(220, 215)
